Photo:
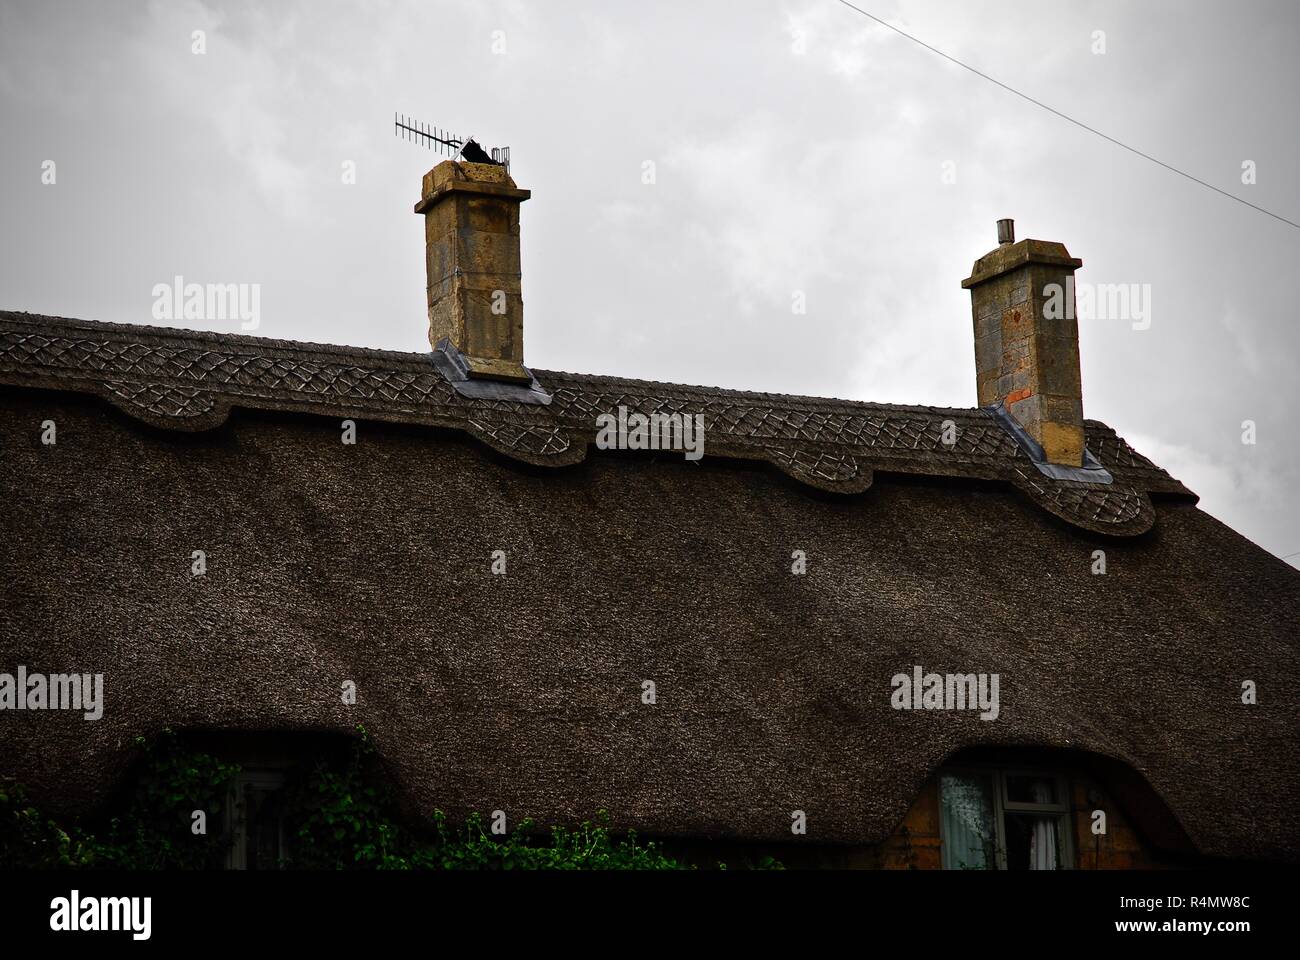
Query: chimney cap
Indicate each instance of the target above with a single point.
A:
(1006, 231)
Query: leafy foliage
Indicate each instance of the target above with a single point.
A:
(347, 819)
(29, 840)
(153, 830)
(339, 814)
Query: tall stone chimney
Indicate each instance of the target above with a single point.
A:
(1027, 340)
(471, 235)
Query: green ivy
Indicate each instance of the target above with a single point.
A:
(29, 840)
(341, 814)
(152, 830)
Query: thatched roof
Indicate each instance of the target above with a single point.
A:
(371, 563)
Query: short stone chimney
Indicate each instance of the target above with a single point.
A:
(1027, 353)
(471, 236)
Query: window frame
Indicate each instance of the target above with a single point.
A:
(1062, 810)
(273, 777)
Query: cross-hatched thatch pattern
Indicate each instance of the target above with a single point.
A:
(190, 381)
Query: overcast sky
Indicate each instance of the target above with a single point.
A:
(797, 146)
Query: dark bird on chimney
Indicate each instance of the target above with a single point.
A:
(474, 153)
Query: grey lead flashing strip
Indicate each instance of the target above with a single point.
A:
(1091, 472)
(451, 364)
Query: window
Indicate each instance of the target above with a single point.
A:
(270, 799)
(255, 821)
(995, 819)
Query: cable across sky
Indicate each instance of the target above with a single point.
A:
(1063, 116)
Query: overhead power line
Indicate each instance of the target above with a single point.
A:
(1063, 116)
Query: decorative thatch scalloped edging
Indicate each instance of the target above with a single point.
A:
(190, 381)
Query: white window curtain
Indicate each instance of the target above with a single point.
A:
(969, 831)
(1042, 842)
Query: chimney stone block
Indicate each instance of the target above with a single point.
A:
(1061, 443)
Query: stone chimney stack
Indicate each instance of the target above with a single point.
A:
(471, 236)
(1027, 340)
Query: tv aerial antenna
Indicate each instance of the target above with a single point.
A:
(447, 143)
